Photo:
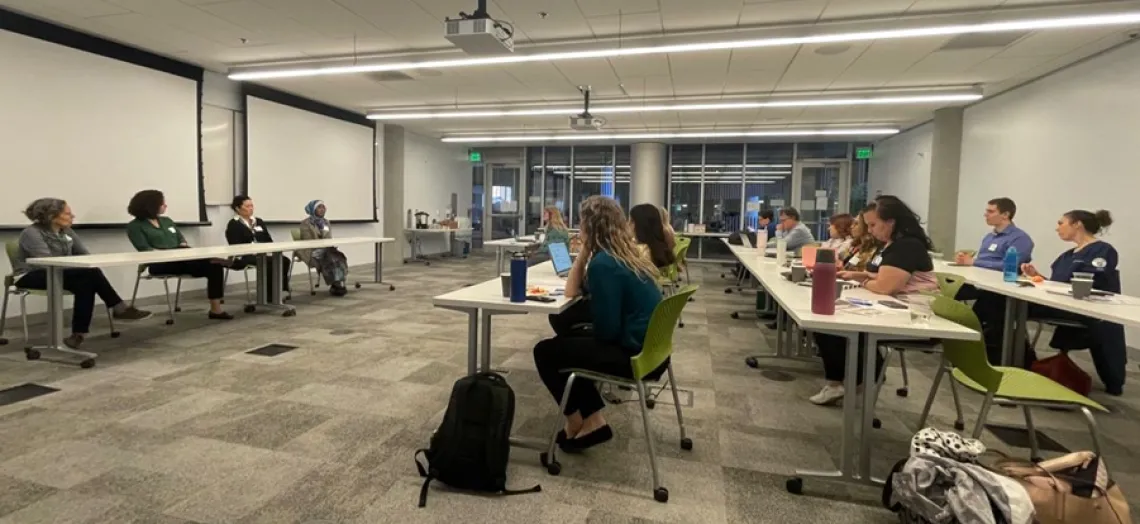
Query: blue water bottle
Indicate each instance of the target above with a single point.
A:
(1009, 265)
(518, 277)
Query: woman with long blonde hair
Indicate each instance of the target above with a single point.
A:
(556, 230)
(623, 294)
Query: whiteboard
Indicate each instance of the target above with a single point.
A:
(218, 154)
(93, 131)
(295, 155)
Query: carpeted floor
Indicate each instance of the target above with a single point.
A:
(179, 424)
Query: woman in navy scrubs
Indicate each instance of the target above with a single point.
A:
(1105, 340)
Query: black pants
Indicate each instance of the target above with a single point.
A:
(833, 351)
(576, 315)
(213, 273)
(270, 261)
(582, 352)
(83, 284)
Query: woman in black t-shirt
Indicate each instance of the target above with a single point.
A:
(903, 265)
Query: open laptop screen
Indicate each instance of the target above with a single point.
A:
(560, 256)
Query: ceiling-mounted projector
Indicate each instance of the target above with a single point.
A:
(478, 33)
(585, 121)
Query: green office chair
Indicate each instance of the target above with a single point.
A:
(967, 362)
(11, 287)
(682, 252)
(948, 286)
(657, 349)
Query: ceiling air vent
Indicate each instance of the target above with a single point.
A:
(983, 40)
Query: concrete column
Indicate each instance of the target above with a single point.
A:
(647, 174)
(945, 158)
(394, 211)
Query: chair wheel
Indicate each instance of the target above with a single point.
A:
(722, 275)
(358, 285)
(752, 362)
(687, 444)
(391, 287)
(794, 485)
(960, 426)
(87, 364)
(250, 308)
(651, 403)
(554, 468)
(287, 299)
(3, 342)
(32, 354)
(427, 263)
(312, 293)
(170, 321)
(736, 315)
(289, 313)
(876, 423)
(115, 334)
(680, 324)
(222, 301)
(691, 299)
(902, 392)
(728, 291)
(178, 310)
(661, 495)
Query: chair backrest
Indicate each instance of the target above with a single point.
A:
(969, 356)
(13, 250)
(949, 284)
(296, 234)
(658, 344)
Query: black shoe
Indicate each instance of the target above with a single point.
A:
(130, 313)
(589, 440)
(770, 325)
(220, 316)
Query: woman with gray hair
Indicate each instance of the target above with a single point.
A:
(50, 235)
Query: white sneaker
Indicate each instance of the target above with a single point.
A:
(827, 396)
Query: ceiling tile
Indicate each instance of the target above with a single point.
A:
(782, 11)
(707, 64)
(403, 19)
(686, 14)
(144, 31)
(625, 24)
(649, 86)
(589, 72)
(999, 68)
(1056, 43)
(264, 23)
(191, 19)
(638, 66)
(592, 8)
(84, 8)
(563, 18)
(764, 58)
(864, 8)
(739, 82)
(921, 6)
(325, 17)
(812, 70)
(884, 60)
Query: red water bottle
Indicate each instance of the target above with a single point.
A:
(823, 283)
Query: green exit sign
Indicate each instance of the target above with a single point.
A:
(475, 156)
(862, 153)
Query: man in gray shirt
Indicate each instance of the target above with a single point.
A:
(794, 233)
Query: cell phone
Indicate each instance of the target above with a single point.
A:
(893, 305)
(1021, 283)
(535, 298)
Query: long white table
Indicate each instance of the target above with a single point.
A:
(510, 245)
(416, 242)
(266, 280)
(794, 303)
(1120, 309)
(483, 301)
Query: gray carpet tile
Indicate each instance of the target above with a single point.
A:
(178, 424)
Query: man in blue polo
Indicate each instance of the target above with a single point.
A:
(990, 307)
(999, 215)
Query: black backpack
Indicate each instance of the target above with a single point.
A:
(471, 447)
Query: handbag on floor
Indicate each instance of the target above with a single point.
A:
(1062, 370)
(1073, 489)
(471, 447)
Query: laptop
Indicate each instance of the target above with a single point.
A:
(560, 256)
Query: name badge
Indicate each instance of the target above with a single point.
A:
(258, 229)
(854, 260)
(993, 247)
(877, 260)
(67, 238)
(325, 229)
(171, 229)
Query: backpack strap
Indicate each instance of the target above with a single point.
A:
(537, 488)
(423, 473)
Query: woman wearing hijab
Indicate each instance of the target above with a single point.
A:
(329, 261)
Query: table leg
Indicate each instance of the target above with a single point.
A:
(781, 325)
(1021, 313)
(870, 395)
(472, 341)
(485, 357)
(499, 260)
(55, 318)
(378, 270)
(1007, 328)
(272, 280)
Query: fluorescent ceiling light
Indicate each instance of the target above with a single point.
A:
(711, 106)
(890, 34)
(672, 135)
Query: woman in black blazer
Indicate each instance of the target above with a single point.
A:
(248, 229)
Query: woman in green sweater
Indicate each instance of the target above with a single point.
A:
(623, 294)
(150, 230)
(556, 230)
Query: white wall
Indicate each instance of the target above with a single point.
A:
(222, 92)
(433, 171)
(1067, 141)
(901, 167)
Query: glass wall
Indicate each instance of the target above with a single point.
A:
(767, 180)
(685, 165)
(724, 168)
(534, 200)
(556, 183)
(593, 173)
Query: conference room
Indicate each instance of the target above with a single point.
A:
(259, 252)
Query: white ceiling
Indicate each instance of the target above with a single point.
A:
(219, 34)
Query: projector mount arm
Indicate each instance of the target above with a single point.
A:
(480, 13)
(585, 90)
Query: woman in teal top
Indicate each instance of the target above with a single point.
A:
(623, 294)
(556, 231)
(150, 230)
